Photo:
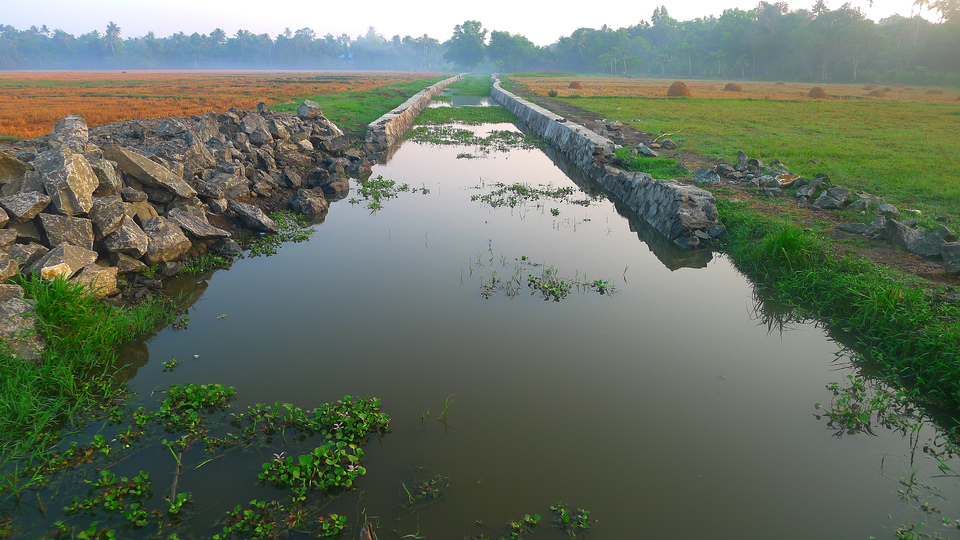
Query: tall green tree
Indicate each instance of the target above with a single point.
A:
(112, 37)
(466, 47)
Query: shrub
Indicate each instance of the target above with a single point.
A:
(553, 93)
(935, 92)
(732, 87)
(678, 89)
(817, 92)
(877, 93)
(575, 85)
(887, 89)
(779, 83)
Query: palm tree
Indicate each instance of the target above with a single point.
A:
(112, 36)
(920, 4)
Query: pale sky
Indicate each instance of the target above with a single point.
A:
(542, 22)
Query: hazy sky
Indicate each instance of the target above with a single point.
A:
(542, 22)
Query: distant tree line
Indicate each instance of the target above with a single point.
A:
(768, 42)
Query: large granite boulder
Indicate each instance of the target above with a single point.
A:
(59, 229)
(309, 202)
(253, 217)
(195, 222)
(18, 335)
(256, 128)
(24, 206)
(129, 239)
(107, 215)
(832, 198)
(71, 131)
(102, 280)
(166, 241)
(150, 173)
(309, 110)
(68, 179)
(11, 168)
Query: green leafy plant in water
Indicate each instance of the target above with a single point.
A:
(858, 406)
(117, 495)
(549, 285)
(573, 523)
(290, 228)
(205, 263)
(333, 465)
(377, 189)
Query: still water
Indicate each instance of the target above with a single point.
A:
(669, 408)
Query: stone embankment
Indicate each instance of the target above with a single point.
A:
(887, 222)
(685, 214)
(384, 132)
(123, 198)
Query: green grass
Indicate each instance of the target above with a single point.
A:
(465, 115)
(901, 326)
(353, 111)
(661, 168)
(904, 152)
(472, 85)
(75, 374)
(4, 138)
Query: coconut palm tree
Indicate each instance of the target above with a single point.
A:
(112, 36)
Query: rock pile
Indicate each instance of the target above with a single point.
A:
(88, 204)
(940, 244)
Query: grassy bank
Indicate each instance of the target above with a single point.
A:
(75, 376)
(353, 111)
(904, 328)
(903, 151)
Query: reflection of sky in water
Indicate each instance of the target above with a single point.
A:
(666, 408)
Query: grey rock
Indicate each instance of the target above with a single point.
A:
(221, 185)
(141, 211)
(277, 127)
(71, 131)
(26, 254)
(69, 180)
(930, 244)
(335, 144)
(308, 202)
(292, 178)
(706, 176)
(218, 206)
(195, 222)
(832, 198)
(28, 232)
(4, 218)
(24, 206)
(208, 128)
(150, 173)
(253, 217)
(171, 127)
(668, 144)
(899, 234)
(888, 211)
(110, 179)
(8, 237)
(166, 241)
(197, 158)
(102, 280)
(309, 110)
(131, 194)
(810, 189)
(226, 247)
(18, 330)
(64, 260)
(75, 231)
(126, 264)
(256, 128)
(855, 228)
(645, 150)
(8, 267)
(725, 169)
(951, 257)
(742, 160)
(11, 168)
(107, 215)
(9, 290)
(129, 239)
(876, 226)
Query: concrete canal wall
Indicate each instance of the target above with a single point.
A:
(387, 130)
(685, 214)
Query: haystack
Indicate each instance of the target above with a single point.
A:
(779, 83)
(935, 92)
(876, 92)
(678, 89)
(575, 85)
(732, 87)
(817, 92)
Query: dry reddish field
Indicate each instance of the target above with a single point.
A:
(617, 86)
(31, 102)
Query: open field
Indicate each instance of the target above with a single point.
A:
(31, 102)
(626, 87)
(903, 150)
